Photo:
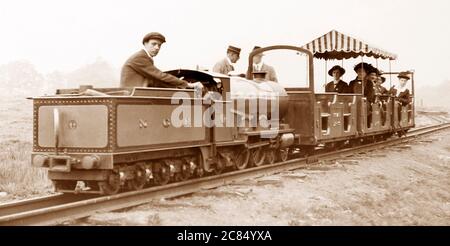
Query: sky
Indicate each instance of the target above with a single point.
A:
(64, 35)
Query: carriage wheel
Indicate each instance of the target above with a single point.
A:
(162, 174)
(110, 186)
(257, 156)
(270, 157)
(242, 159)
(139, 180)
(283, 154)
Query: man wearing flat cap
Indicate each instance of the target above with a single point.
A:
(225, 66)
(260, 66)
(139, 70)
(337, 85)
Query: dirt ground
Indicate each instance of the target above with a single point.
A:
(405, 185)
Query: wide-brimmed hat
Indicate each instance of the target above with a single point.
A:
(364, 65)
(404, 75)
(373, 70)
(383, 79)
(153, 35)
(337, 67)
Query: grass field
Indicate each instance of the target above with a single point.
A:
(17, 177)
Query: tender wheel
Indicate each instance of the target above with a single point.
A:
(257, 157)
(271, 156)
(161, 174)
(112, 185)
(242, 159)
(64, 184)
(283, 154)
(139, 180)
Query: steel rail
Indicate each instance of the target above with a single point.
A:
(59, 213)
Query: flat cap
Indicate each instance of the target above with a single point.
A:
(234, 49)
(153, 35)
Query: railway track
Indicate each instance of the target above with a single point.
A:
(59, 208)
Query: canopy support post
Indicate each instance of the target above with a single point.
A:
(390, 73)
(326, 68)
(363, 79)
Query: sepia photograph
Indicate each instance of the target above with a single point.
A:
(225, 113)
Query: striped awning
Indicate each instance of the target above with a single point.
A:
(335, 45)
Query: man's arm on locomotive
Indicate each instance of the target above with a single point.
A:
(147, 69)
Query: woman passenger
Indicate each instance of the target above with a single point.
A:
(337, 85)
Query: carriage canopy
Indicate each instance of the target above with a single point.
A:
(337, 46)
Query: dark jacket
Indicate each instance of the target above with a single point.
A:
(356, 87)
(139, 71)
(341, 87)
(404, 97)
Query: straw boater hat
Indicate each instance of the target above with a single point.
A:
(337, 67)
(403, 75)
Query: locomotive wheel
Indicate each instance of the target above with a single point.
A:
(270, 157)
(185, 173)
(199, 172)
(162, 175)
(139, 180)
(220, 165)
(242, 159)
(112, 185)
(257, 156)
(283, 154)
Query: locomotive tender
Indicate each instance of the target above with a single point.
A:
(104, 140)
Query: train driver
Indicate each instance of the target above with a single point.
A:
(139, 70)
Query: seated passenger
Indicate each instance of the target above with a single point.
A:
(369, 92)
(402, 92)
(337, 85)
(369, 84)
(379, 89)
(355, 85)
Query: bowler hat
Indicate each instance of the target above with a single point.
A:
(153, 35)
(403, 75)
(337, 67)
(234, 49)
